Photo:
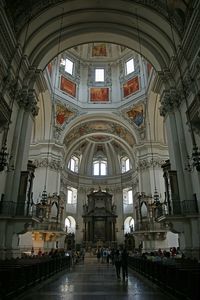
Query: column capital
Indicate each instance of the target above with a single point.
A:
(27, 99)
(52, 164)
(145, 164)
(170, 100)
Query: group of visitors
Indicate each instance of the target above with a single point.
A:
(164, 256)
(118, 257)
(105, 255)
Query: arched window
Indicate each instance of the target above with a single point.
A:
(70, 224)
(99, 167)
(129, 225)
(99, 162)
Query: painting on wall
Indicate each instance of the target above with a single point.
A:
(68, 86)
(99, 49)
(136, 114)
(131, 86)
(62, 114)
(99, 94)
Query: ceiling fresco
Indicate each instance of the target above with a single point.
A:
(94, 127)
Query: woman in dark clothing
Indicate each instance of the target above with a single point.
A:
(124, 262)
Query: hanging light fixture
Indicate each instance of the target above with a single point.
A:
(193, 160)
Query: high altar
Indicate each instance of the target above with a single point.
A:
(99, 219)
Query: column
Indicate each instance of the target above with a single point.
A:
(183, 151)
(169, 104)
(28, 104)
(15, 144)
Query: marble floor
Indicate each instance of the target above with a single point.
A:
(90, 280)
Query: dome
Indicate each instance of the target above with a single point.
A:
(102, 110)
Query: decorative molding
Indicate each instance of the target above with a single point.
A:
(46, 163)
(170, 100)
(27, 100)
(145, 164)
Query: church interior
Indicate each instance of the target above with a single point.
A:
(99, 126)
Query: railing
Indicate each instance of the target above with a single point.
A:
(146, 226)
(185, 207)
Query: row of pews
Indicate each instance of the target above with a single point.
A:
(17, 275)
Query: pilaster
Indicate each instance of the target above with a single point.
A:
(27, 109)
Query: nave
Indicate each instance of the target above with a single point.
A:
(92, 280)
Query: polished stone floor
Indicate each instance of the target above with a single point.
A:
(90, 280)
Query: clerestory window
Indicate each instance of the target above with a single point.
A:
(99, 75)
(69, 65)
(125, 164)
(129, 66)
(73, 164)
(99, 167)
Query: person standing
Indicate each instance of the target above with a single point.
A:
(117, 261)
(124, 262)
(98, 255)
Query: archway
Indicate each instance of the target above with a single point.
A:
(143, 28)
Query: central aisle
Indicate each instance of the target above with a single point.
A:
(90, 280)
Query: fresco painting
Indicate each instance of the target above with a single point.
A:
(62, 114)
(136, 114)
(68, 86)
(131, 86)
(99, 94)
(99, 50)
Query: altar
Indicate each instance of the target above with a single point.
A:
(99, 219)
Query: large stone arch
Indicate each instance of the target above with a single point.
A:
(142, 28)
